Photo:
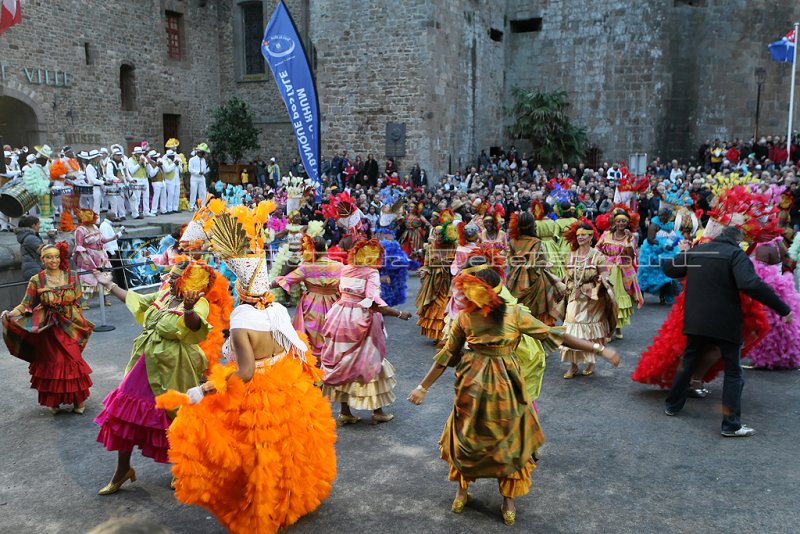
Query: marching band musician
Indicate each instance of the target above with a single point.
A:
(94, 176)
(137, 169)
(12, 172)
(156, 176)
(172, 175)
(115, 180)
(62, 172)
(198, 170)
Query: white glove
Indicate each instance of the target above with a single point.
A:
(195, 394)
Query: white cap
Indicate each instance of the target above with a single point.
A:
(6, 154)
(138, 150)
(169, 152)
(30, 158)
(272, 160)
(116, 152)
(152, 154)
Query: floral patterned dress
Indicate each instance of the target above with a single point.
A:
(51, 335)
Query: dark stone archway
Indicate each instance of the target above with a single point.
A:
(19, 125)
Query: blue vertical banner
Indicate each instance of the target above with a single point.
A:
(284, 52)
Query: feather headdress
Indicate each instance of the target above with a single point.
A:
(480, 296)
(752, 212)
(366, 254)
(571, 234)
(495, 260)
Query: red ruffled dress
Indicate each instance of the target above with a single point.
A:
(51, 336)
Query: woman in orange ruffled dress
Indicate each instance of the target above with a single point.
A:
(255, 446)
(48, 330)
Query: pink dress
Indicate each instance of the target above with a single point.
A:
(354, 365)
(321, 279)
(89, 255)
(780, 347)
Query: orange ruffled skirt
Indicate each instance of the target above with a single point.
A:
(260, 455)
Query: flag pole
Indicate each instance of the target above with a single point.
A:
(791, 99)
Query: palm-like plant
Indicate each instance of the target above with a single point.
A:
(541, 118)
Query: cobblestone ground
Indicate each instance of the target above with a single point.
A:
(613, 462)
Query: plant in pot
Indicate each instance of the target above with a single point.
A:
(232, 135)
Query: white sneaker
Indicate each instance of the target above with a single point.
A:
(149, 214)
(743, 432)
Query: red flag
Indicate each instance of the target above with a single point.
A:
(10, 14)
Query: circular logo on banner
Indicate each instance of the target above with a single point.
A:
(279, 46)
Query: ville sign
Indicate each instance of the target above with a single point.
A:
(38, 75)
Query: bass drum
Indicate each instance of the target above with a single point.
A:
(15, 201)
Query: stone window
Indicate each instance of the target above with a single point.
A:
(253, 31)
(526, 25)
(174, 35)
(495, 35)
(88, 54)
(172, 126)
(127, 88)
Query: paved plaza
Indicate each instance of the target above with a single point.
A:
(612, 463)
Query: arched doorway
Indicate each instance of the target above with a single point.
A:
(19, 125)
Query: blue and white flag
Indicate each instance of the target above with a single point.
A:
(284, 52)
(783, 50)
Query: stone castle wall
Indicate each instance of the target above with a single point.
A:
(656, 77)
(87, 112)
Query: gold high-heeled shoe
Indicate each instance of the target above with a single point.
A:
(509, 516)
(458, 505)
(112, 487)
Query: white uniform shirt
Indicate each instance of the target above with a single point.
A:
(198, 166)
(107, 231)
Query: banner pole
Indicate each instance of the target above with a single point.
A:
(791, 99)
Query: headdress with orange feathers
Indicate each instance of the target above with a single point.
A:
(571, 234)
(479, 295)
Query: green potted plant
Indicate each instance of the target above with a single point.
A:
(232, 135)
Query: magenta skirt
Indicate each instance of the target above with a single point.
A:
(130, 417)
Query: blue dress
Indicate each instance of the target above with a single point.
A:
(651, 278)
(395, 267)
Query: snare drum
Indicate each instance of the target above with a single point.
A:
(113, 190)
(15, 200)
(83, 190)
(139, 187)
(60, 191)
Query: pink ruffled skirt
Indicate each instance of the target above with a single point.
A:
(130, 417)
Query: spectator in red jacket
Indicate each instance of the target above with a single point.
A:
(733, 154)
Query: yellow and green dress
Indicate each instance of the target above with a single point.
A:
(493, 431)
(550, 233)
(165, 356)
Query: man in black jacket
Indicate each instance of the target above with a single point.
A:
(715, 273)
